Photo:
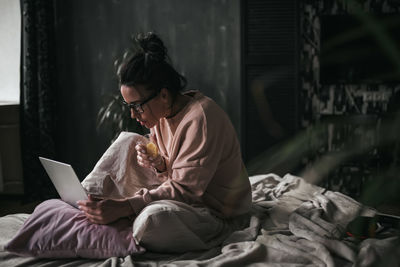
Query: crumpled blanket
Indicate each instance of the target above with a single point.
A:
(295, 223)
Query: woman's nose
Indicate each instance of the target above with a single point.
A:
(133, 114)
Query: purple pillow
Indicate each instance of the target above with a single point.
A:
(57, 230)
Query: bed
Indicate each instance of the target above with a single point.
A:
(292, 223)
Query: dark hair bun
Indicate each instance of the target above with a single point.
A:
(152, 47)
(147, 63)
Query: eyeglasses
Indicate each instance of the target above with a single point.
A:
(138, 107)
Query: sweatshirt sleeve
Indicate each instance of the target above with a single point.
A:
(196, 156)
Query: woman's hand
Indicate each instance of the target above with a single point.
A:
(145, 160)
(105, 211)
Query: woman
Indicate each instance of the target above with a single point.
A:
(198, 167)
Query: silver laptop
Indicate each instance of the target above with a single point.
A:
(65, 181)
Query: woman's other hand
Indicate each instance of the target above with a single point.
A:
(105, 211)
(147, 161)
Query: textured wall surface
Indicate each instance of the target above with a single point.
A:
(324, 99)
(353, 112)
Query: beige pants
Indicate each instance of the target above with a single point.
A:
(172, 226)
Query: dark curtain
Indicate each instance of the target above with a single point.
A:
(37, 101)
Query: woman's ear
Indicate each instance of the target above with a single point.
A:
(166, 100)
(165, 95)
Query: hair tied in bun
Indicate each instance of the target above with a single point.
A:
(148, 64)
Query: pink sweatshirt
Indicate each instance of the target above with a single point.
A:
(203, 158)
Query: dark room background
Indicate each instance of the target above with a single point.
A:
(261, 61)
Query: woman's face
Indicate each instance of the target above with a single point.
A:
(153, 109)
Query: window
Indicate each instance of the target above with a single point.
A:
(10, 45)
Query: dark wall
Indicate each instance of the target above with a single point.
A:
(203, 38)
(270, 66)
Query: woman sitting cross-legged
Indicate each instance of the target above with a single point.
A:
(192, 189)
